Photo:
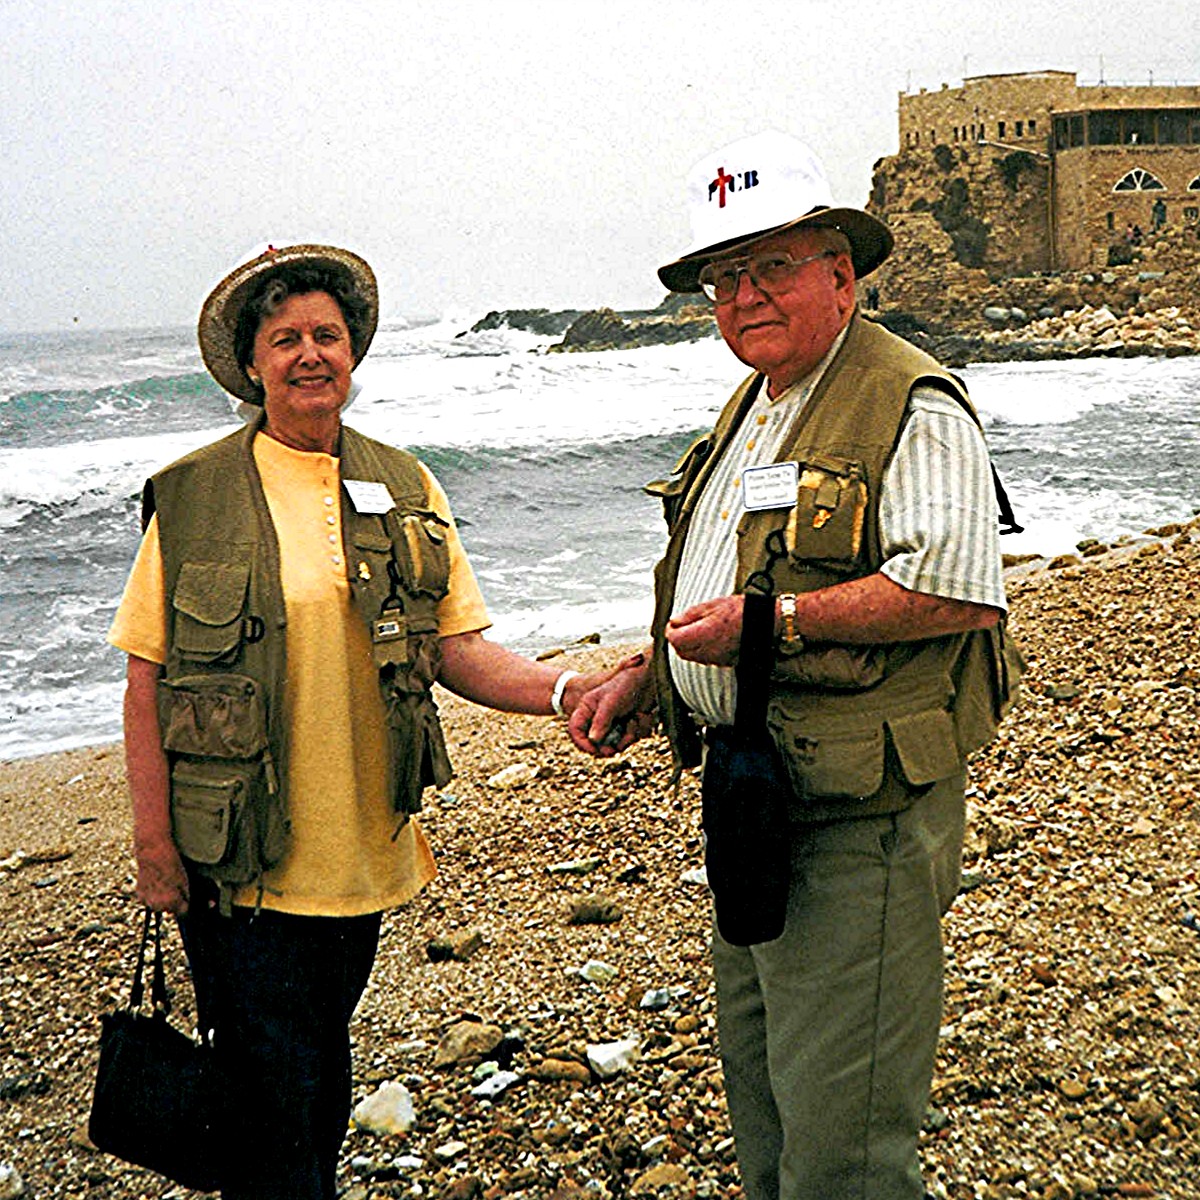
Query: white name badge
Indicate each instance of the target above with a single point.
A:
(368, 496)
(773, 486)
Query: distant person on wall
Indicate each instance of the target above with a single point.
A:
(298, 589)
(829, 640)
(1158, 215)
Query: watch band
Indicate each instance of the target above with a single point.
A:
(789, 641)
(556, 696)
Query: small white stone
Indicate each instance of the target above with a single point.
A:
(609, 1059)
(595, 971)
(495, 1085)
(387, 1110)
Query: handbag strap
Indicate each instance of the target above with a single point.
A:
(756, 655)
(159, 999)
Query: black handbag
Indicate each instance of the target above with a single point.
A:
(157, 1093)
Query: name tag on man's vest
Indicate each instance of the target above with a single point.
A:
(368, 496)
(772, 486)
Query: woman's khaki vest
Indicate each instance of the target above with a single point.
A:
(859, 727)
(221, 698)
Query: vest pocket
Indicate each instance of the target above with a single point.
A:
(208, 602)
(925, 745)
(214, 729)
(826, 526)
(418, 748)
(844, 762)
(422, 555)
(212, 716)
(208, 808)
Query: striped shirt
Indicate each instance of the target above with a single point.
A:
(937, 516)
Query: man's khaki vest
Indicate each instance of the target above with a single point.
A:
(221, 698)
(853, 723)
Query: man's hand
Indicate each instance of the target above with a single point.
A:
(709, 632)
(162, 883)
(611, 717)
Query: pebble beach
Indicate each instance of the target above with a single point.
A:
(547, 1003)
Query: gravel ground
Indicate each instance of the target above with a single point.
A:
(1068, 1063)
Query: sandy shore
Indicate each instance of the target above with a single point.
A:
(1068, 1064)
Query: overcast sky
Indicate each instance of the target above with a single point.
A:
(479, 153)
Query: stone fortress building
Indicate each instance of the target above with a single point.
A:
(1024, 175)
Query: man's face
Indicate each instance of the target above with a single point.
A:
(785, 333)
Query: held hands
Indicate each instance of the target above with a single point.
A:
(613, 715)
(709, 632)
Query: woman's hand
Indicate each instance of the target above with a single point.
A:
(162, 882)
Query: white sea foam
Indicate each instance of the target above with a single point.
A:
(90, 475)
(537, 400)
(1056, 393)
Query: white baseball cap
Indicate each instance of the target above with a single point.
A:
(759, 185)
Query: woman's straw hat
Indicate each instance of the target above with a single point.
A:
(217, 327)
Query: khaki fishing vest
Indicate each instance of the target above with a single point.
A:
(852, 723)
(220, 701)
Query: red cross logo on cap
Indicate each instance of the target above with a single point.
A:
(719, 185)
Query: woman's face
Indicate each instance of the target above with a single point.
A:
(303, 357)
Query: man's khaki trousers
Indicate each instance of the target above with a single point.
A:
(828, 1033)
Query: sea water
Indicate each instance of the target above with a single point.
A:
(543, 456)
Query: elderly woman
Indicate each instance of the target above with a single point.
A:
(298, 589)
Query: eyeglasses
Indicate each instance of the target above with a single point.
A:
(772, 271)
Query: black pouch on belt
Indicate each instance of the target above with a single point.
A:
(745, 798)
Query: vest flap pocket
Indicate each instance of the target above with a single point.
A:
(208, 602)
(364, 539)
(925, 745)
(212, 716)
(423, 555)
(846, 761)
(205, 809)
(826, 526)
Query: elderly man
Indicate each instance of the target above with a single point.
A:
(830, 625)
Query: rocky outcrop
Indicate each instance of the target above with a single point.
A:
(679, 318)
(605, 329)
(531, 320)
(972, 258)
(1011, 336)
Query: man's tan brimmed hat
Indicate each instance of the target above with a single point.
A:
(766, 184)
(217, 327)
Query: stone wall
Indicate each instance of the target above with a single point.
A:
(992, 203)
(1090, 216)
(986, 216)
(1013, 109)
(991, 118)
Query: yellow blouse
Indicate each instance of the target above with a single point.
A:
(343, 858)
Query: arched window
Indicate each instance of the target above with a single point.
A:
(1194, 186)
(1138, 180)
